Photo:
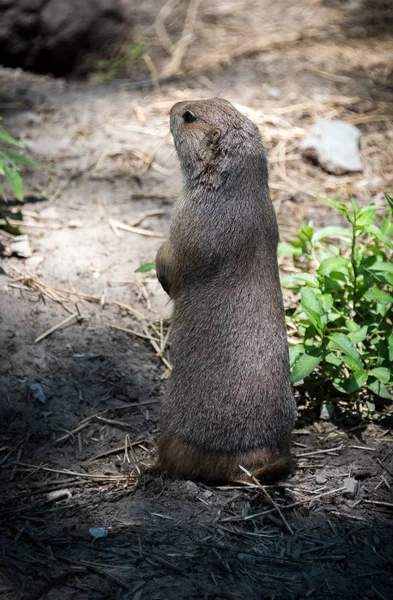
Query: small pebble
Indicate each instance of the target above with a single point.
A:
(37, 392)
(98, 532)
(59, 495)
(191, 488)
(247, 559)
(19, 246)
(351, 487)
(320, 479)
(327, 411)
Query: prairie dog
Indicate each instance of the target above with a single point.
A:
(229, 400)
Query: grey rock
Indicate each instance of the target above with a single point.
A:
(320, 479)
(327, 411)
(19, 246)
(248, 559)
(351, 487)
(59, 495)
(190, 488)
(335, 146)
(37, 392)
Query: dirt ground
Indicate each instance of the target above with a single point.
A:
(80, 457)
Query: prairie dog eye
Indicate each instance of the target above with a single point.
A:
(189, 116)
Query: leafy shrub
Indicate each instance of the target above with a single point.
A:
(11, 163)
(343, 327)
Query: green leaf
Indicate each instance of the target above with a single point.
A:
(333, 359)
(380, 265)
(334, 316)
(379, 235)
(359, 335)
(390, 344)
(331, 285)
(366, 216)
(335, 204)
(376, 295)
(360, 376)
(327, 302)
(305, 233)
(351, 384)
(303, 366)
(381, 271)
(340, 384)
(378, 388)
(15, 181)
(299, 278)
(146, 267)
(338, 263)
(6, 137)
(381, 373)
(288, 249)
(332, 232)
(339, 341)
(351, 325)
(355, 206)
(18, 159)
(389, 199)
(294, 352)
(336, 276)
(312, 307)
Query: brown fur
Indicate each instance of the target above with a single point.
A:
(185, 460)
(229, 400)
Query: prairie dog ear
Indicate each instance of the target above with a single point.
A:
(214, 135)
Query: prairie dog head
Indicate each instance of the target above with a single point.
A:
(214, 140)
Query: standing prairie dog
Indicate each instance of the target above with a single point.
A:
(229, 400)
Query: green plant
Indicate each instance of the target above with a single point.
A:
(11, 164)
(146, 267)
(111, 68)
(342, 330)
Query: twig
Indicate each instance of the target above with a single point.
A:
(113, 227)
(50, 292)
(268, 496)
(149, 213)
(4, 459)
(85, 422)
(56, 327)
(173, 67)
(74, 473)
(153, 72)
(379, 503)
(74, 431)
(141, 335)
(327, 451)
(112, 422)
(385, 467)
(116, 450)
(160, 28)
(137, 230)
(140, 115)
(159, 352)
